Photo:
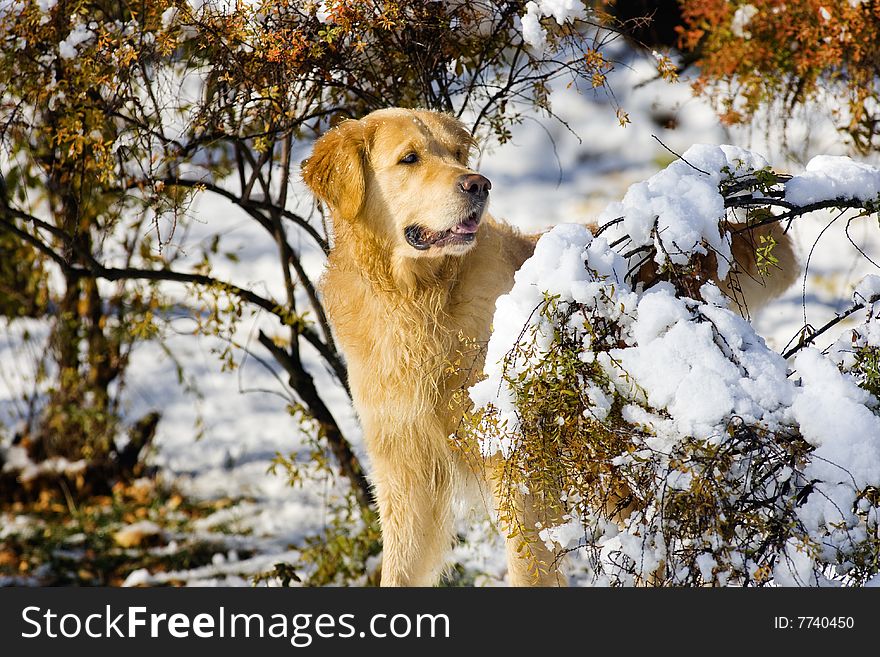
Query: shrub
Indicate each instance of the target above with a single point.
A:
(666, 440)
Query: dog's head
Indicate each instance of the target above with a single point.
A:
(403, 175)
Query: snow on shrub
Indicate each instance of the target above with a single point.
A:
(662, 435)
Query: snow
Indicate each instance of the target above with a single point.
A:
(562, 11)
(532, 31)
(867, 290)
(677, 362)
(829, 177)
(15, 458)
(322, 11)
(566, 535)
(232, 573)
(79, 34)
(682, 368)
(831, 412)
(168, 17)
(865, 335)
(136, 533)
(796, 567)
(741, 19)
(697, 366)
(678, 209)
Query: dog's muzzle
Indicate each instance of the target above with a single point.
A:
(476, 188)
(464, 232)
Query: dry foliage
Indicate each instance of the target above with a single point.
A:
(754, 53)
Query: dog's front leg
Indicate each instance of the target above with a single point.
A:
(414, 495)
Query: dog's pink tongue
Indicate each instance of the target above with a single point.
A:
(466, 227)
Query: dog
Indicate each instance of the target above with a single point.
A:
(413, 274)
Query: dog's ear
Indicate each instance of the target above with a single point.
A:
(335, 169)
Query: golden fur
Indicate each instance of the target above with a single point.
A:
(404, 317)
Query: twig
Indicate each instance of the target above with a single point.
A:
(807, 265)
(856, 246)
(679, 156)
(607, 225)
(808, 339)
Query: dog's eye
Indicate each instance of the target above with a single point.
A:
(409, 158)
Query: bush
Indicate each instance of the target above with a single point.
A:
(666, 440)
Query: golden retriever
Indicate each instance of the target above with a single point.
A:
(413, 274)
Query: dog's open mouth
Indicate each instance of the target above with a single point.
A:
(464, 232)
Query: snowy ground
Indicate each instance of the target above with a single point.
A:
(546, 175)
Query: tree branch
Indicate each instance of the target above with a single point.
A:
(36, 243)
(248, 205)
(304, 385)
(95, 269)
(793, 210)
(808, 339)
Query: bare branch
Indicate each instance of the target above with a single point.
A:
(808, 338)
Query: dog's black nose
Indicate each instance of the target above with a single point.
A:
(475, 184)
